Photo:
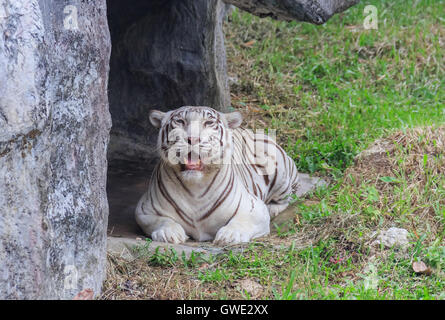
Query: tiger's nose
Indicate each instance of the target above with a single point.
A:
(193, 140)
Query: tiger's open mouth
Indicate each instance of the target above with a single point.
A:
(192, 162)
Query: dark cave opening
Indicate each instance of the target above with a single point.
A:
(130, 151)
(165, 54)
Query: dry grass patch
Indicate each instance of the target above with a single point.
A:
(137, 279)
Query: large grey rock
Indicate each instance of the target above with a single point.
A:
(54, 125)
(166, 54)
(313, 11)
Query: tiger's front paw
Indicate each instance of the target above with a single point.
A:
(172, 233)
(231, 235)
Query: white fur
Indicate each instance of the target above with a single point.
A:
(177, 201)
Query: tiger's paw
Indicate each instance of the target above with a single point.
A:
(172, 233)
(231, 235)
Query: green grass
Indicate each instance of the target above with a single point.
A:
(317, 272)
(341, 86)
(330, 91)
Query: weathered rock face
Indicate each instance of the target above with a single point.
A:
(165, 54)
(313, 11)
(54, 125)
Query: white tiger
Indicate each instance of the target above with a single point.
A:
(214, 180)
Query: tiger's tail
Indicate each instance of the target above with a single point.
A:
(295, 180)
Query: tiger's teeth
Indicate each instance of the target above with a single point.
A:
(185, 160)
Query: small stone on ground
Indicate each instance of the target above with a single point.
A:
(392, 237)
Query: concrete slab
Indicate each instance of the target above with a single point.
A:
(125, 247)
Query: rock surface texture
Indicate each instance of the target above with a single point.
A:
(54, 127)
(392, 237)
(313, 11)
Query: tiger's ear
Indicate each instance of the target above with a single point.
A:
(234, 119)
(156, 117)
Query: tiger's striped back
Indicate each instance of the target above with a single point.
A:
(264, 167)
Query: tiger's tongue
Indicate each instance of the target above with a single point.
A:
(193, 166)
(193, 163)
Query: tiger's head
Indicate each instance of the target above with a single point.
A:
(194, 141)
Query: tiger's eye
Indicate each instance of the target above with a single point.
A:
(180, 121)
(208, 123)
